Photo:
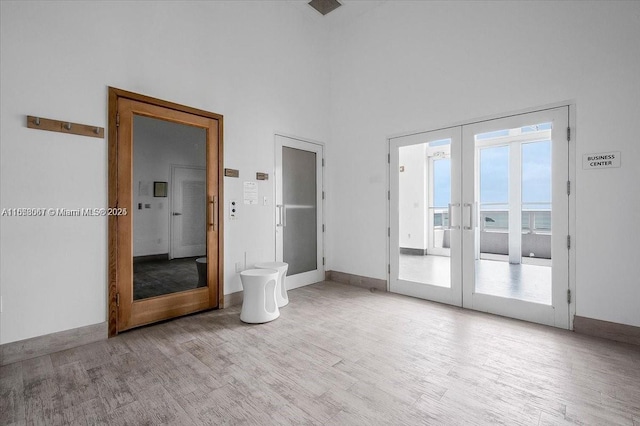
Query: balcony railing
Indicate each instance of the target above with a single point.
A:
(494, 229)
(534, 221)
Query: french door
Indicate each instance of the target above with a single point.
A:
(299, 195)
(479, 216)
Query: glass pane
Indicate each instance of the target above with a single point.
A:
(494, 201)
(536, 200)
(169, 207)
(300, 244)
(514, 261)
(441, 200)
(424, 197)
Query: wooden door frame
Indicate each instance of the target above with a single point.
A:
(114, 237)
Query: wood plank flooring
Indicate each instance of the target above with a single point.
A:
(338, 355)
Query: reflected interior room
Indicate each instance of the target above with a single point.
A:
(169, 187)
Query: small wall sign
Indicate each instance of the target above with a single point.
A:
(601, 160)
(232, 172)
(250, 193)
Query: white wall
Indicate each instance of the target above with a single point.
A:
(262, 65)
(158, 145)
(397, 67)
(407, 66)
(412, 196)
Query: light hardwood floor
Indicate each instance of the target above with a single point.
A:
(338, 355)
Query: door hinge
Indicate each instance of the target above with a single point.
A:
(389, 158)
(568, 187)
(323, 227)
(118, 300)
(568, 295)
(118, 120)
(388, 232)
(323, 261)
(388, 195)
(388, 268)
(568, 134)
(568, 241)
(323, 195)
(323, 162)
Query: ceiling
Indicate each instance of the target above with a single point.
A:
(348, 12)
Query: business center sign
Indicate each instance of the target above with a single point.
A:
(601, 160)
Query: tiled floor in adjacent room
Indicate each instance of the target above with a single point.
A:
(338, 355)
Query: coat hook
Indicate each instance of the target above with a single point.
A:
(37, 121)
(96, 130)
(67, 126)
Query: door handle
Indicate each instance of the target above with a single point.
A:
(471, 221)
(177, 214)
(213, 213)
(279, 207)
(451, 225)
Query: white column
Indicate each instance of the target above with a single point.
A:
(515, 203)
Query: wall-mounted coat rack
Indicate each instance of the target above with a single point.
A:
(64, 127)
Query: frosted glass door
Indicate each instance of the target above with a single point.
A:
(298, 210)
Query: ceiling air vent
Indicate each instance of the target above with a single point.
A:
(324, 6)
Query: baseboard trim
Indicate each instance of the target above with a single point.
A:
(357, 280)
(608, 330)
(50, 343)
(233, 299)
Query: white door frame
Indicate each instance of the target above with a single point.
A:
(282, 140)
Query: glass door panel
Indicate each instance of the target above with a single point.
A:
(300, 210)
(170, 204)
(439, 196)
(424, 197)
(493, 182)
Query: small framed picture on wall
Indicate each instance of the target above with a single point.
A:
(159, 189)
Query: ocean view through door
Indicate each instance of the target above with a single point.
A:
(479, 216)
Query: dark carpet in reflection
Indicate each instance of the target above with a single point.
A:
(157, 277)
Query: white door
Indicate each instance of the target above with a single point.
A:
(515, 217)
(188, 212)
(479, 216)
(299, 219)
(424, 220)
